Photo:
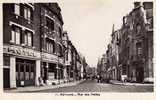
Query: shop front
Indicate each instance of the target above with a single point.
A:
(52, 69)
(21, 66)
(25, 72)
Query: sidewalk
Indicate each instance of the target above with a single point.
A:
(39, 88)
(116, 82)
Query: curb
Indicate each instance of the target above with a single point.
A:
(126, 84)
(44, 88)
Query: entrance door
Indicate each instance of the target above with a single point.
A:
(25, 72)
(6, 78)
(139, 74)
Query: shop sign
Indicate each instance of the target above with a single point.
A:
(49, 57)
(16, 50)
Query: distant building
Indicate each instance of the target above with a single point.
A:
(130, 52)
(102, 67)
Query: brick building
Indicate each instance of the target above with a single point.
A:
(51, 30)
(34, 47)
(21, 49)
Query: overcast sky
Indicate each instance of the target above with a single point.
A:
(89, 24)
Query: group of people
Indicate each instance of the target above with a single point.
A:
(99, 78)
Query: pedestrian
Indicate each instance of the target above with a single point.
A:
(40, 81)
(98, 78)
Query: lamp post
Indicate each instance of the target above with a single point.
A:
(58, 68)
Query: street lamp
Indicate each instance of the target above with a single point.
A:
(57, 68)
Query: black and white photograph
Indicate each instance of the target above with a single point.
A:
(91, 46)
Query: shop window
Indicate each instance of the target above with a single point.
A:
(17, 9)
(15, 35)
(27, 72)
(27, 13)
(51, 72)
(17, 71)
(32, 72)
(21, 72)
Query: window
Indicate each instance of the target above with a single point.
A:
(67, 56)
(60, 33)
(6, 60)
(139, 49)
(138, 29)
(15, 35)
(27, 13)
(22, 72)
(27, 72)
(17, 9)
(32, 72)
(50, 46)
(50, 24)
(60, 50)
(28, 38)
(47, 46)
(53, 46)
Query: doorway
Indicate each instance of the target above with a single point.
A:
(6, 78)
(25, 72)
(139, 74)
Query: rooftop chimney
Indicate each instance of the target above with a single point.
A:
(137, 4)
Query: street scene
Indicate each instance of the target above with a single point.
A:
(93, 86)
(51, 48)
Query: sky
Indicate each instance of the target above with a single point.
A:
(89, 24)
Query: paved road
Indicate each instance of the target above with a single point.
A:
(93, 86)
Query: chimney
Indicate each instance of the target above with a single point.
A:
(123, 20)
(137, 4)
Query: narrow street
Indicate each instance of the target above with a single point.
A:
(93, 86)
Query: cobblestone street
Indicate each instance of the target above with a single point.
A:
(93, 86)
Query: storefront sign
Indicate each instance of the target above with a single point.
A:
(51, 57)
(20, 51)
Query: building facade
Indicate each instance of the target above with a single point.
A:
(21, 51)
(51, 30)
(130, 52)
(34, 47)
(137, 42)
